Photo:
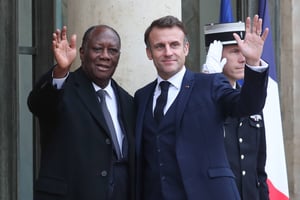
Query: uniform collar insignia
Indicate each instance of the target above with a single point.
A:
(256, 117)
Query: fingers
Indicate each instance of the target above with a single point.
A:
(60, 35)
(259, 27)
(211, 48)
(56, 38)
(73, 41)
(215, 50)
(248, 25)
(216, 45)
(256, 27)
(64, 33)
(265, 34)
(54, 43)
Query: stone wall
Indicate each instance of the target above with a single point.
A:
(290, 91)
(130, 19)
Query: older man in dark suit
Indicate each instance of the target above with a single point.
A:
(86, 121)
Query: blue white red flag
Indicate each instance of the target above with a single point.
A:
(226, 12)
(276, 164)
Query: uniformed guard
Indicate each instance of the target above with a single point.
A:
(244, 137)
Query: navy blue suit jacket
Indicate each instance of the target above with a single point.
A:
(203, 103)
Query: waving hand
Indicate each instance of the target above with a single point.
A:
(252, 45)
(64, 52)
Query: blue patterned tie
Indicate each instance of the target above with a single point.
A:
(161, 101)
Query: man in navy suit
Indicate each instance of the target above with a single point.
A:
(81, 157)
(181, 155)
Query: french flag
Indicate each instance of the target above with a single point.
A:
(276, 164)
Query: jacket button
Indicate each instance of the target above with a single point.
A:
(104, 173)
(257, 125)
(107, 141)
(240, 140)
(241, 124)
(242, 157)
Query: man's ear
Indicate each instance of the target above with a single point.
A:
(186, 48)
(81, 53)
(149, 53)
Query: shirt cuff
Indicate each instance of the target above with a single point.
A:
(58, 82)
(261, 68)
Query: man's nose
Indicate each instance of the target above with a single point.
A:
(168, 50)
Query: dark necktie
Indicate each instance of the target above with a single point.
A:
(161, 101)
(109, 122)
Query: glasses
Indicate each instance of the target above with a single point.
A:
(110, 51)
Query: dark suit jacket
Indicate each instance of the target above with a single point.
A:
(203, 103)
(77, 152)
(245, 144)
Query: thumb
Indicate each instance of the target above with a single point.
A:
(223, 62)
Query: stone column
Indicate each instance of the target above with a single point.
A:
(290, 91)
(130, 18)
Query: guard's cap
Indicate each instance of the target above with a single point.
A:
(223, 32)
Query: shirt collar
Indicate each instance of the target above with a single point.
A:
(109, 90)
(175, 80)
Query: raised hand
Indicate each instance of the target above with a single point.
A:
(214, 63)
(252, 45)
(64, 52)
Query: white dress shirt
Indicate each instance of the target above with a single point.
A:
(112, 106)
(174, 88)
(110, 101)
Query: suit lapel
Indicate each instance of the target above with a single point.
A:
(143, 100)
(87, 95)
(184, 95)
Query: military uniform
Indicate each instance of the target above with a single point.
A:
(245, 144)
